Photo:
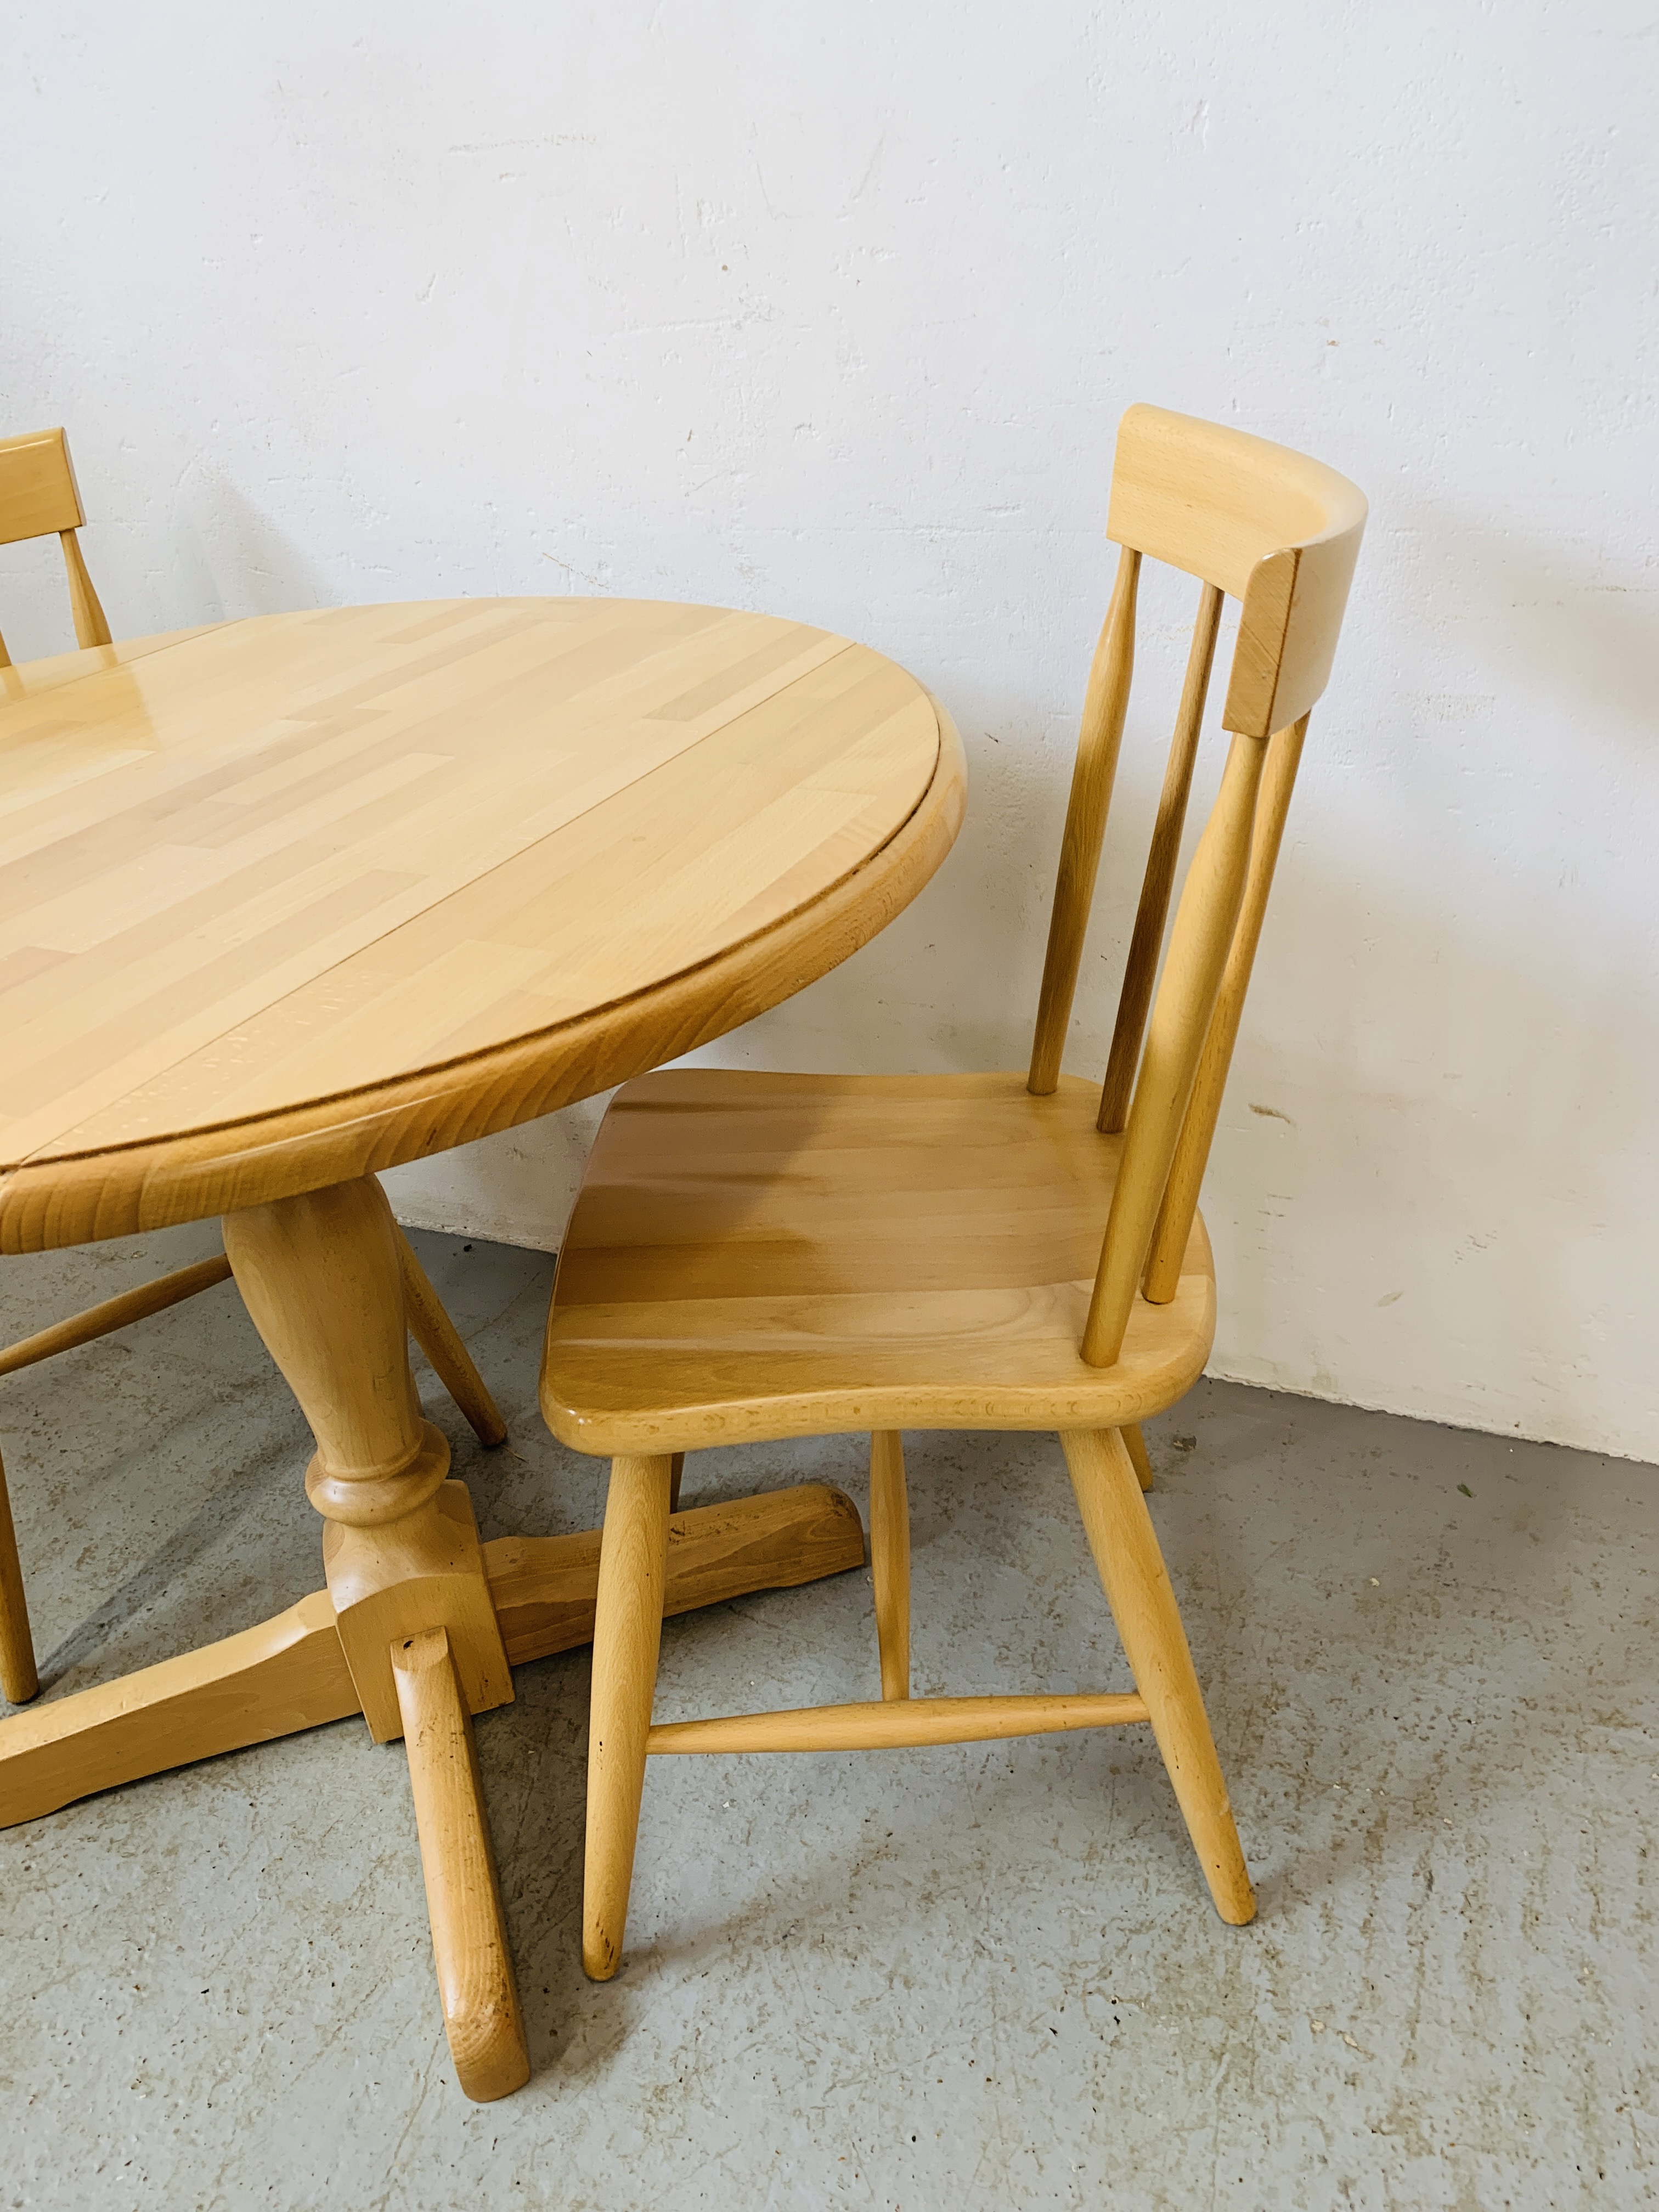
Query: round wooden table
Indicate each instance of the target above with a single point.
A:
(286, 901)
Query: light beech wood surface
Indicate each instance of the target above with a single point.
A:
(899, 1723)
(39, 494)
(1179, 1202)
(20, 1678)
(890, 1560)
(754, 1256)
(1093, 775)
(290, 1672)
(387, 878)
(32, 680)
(626, 1633)
(39, 498)
(1136, 1585)
(429, 1323)
(1140, 969)
(284, 901)
(119, 1312)
(476, 1982)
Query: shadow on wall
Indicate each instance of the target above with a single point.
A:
(232, 559)
(1589, 636)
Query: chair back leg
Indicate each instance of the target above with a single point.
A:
(1135, 1444)
(889, 1559)
(438, 1338)
(18, 1676)
(627, 1637)
(1137, 1586)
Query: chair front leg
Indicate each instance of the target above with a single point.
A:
(627, 1636)
(1136, 1585)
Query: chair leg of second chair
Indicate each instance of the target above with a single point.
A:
(438, 1338)
(889, 1559)
(1136, 1585)
(627, 1637)
(1135, 1444)
(18, 1677)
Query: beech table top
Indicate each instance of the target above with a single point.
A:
(288, 899)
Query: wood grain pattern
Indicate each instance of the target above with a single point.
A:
(898, 1723)
(1141, 968)
(890, 1560)
(427, 1319)
(1137, 1586)
(38, 495)
(754, 1256)
(288, 900)
(19, 1677)
(544, 1588)
(476, 1982)
(1204, 923)
(91, 628)
(635, 826)
(321, 1276)
(119, 1312)
(273, 1680)
(39, 498)
(627, 1635)
(1135, 1444)
(1093, 775)
(33, 679)
(438, 1338)
(1273, 528)
(1197, 1129)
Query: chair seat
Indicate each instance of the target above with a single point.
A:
(758, 1256)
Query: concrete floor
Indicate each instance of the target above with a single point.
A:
(972, 1978)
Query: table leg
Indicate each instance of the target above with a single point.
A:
(323, 1277)
(463, 1898)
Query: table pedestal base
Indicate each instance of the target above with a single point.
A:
(420, 1625)
(290, 1672)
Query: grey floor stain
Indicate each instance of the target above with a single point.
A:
(979, 1977)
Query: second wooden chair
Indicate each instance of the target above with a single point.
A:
(39, 498)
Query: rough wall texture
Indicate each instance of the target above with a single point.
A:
(832, 311)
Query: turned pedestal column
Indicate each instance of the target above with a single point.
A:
(321, 1275)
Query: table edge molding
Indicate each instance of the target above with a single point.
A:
(158, 1183)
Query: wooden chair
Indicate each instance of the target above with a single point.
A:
(756, 1257)
(38, 495)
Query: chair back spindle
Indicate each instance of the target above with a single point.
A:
(1199, 946)
(39, 498)
(1280, 533)
(1104, 706)
(1175, 1220)
(1138, 975)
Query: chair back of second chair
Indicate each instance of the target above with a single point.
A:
(39, 496)
(1280, 533)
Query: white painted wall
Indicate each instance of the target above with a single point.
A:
(832, 311)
